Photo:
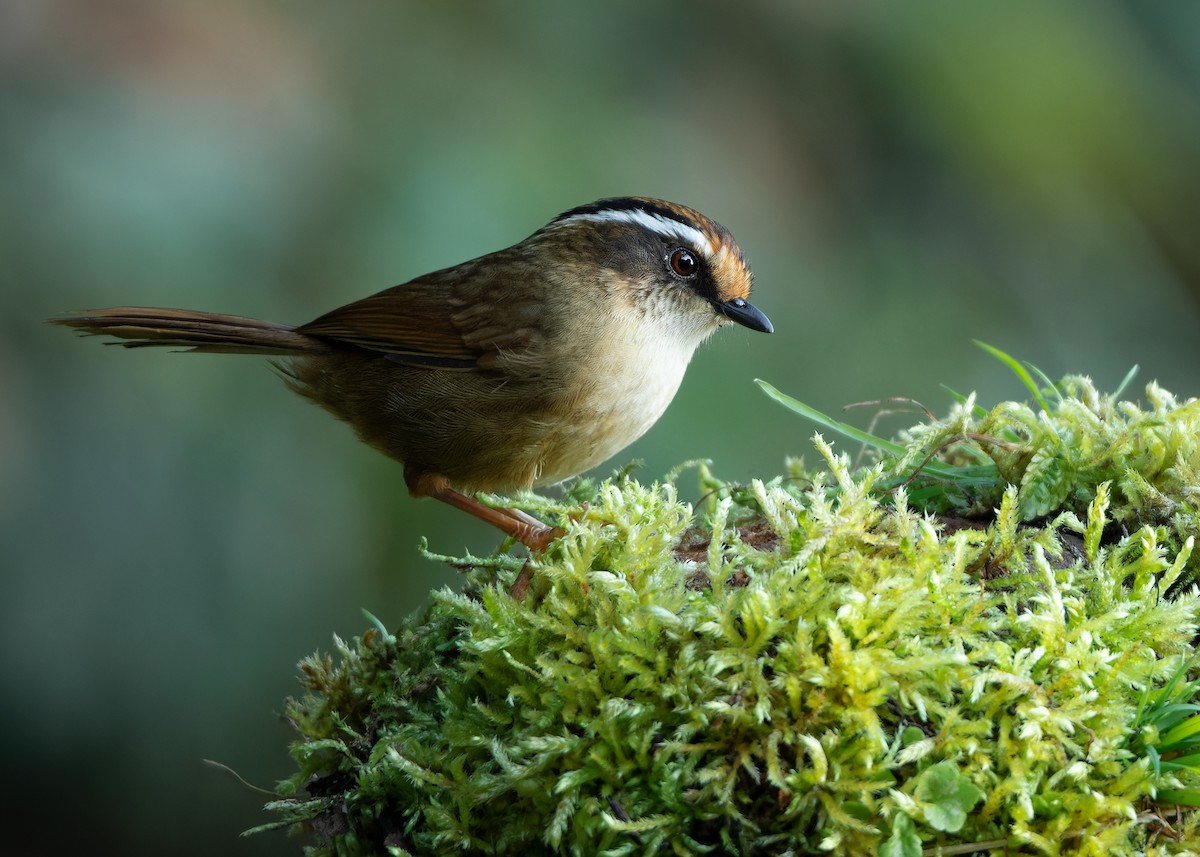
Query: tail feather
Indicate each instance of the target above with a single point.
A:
(194, 331)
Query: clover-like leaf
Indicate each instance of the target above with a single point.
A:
(904, 841)
(946, 796)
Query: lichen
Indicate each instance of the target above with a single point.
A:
(968, 641)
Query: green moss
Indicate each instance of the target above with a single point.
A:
(969, 642)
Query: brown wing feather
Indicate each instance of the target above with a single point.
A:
(460, 314)
(393, 322)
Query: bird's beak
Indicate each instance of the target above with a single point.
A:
(745, 314)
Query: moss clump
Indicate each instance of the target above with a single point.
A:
(817, 664)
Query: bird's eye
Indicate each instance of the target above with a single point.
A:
(683, 262)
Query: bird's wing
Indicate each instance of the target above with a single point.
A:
(458, 318)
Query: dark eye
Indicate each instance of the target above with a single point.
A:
(683, 262)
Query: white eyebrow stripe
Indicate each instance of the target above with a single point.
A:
(664, 226)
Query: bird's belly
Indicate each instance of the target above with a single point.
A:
(484, 435)
(618, 402)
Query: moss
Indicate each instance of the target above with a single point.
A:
(967, 642)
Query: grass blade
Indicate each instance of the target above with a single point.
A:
(1126, 381)
(1019, 370)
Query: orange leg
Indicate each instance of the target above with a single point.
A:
(512, 522)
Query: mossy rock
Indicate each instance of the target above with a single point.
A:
(979, 642)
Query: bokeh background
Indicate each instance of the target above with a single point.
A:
(176, 531)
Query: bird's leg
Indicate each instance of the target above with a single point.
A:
(512, 522)
(521, 515)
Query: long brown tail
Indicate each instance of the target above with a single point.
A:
(194, 331)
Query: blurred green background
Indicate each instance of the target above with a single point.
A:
(176, 531)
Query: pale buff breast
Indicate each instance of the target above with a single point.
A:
(626, 384)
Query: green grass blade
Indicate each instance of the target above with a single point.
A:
(1191, 762)
(1166, 716)
(1188, 729)
(1126, 381)
(979, 411)
(959, 475)
(1047, 384)
(1018, 370)
(828, 422)
(1182, 797)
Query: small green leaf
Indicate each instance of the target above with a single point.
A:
(1182, 797)
(858, 810)
(904, 841)
(946, 796)
(1045, 485)
(374, 620)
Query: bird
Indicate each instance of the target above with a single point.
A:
(517, 369)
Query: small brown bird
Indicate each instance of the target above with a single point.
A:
(520, 368)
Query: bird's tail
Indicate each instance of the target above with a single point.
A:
(194, 331)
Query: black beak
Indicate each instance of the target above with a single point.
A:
(745, 314)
